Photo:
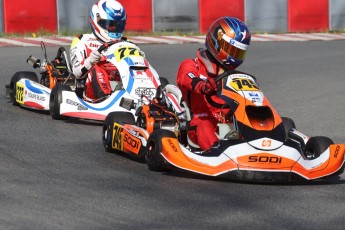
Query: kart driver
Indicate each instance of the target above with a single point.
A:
(107, 21)
(226, 43)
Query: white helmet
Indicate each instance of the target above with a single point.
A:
(108, 20)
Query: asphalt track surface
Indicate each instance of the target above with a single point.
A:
(57, 175)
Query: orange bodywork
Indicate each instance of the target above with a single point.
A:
(172, 152)
(149, 119)
(334, 163)
(124, 141)
(268, 123)
(261, 161)
(52, 79)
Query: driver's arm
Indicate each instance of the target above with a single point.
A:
(82, 59)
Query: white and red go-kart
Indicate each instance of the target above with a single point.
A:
(64, 100)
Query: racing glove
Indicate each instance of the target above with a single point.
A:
(94, 57)
(207, 86)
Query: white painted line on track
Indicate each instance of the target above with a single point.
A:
(187, 39)
(282, 37)
(49, 40)
(66, 41)
(14, 42)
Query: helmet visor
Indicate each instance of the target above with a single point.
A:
(233, 48)
(112, 26)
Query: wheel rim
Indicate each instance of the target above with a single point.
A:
(150, 151)
(105, 136)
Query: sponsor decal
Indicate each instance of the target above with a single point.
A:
(79, 106)
(94, 45)
(19, 93)
(133, 132)
(336, 151)
(243, 84)
(117, 137)
(124, 52)
(265, 159)
(35, 96)
(191, 75)
(266, 143)
(201, 115)
(235, 43)
(139, 63)
(144, 91)
(172, 145)
(255, 97)
(131, 143)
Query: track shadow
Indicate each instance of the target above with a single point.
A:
(333, 180)
(79, 121)
(45, 112)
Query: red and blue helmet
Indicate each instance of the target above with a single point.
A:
(108, 20)
(227, 40)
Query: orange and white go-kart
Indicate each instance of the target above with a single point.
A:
(257, 145)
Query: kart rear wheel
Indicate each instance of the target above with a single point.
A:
(154, 160)
(55, 101)
(17, 77)
(108, 127)
(315, 146)
(288, 124)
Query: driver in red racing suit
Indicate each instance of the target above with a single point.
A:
(226, 43)
(107, 21)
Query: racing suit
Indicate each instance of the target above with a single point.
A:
(97, 84)
(207, 109)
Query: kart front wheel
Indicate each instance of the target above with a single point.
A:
(288, 125)
(17, 77)
(316, 146)
(55, 101)
(108, 127)
(154, 160)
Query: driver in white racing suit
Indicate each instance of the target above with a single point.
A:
(107, 21)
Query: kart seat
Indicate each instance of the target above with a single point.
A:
(175, 91)
(62, 65)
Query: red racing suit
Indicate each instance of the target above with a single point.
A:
(206, 110)
(97, 84)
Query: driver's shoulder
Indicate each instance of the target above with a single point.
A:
(87, 40)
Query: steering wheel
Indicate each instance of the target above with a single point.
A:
(106, 45)
(224, 74)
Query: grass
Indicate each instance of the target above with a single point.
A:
(44, 33)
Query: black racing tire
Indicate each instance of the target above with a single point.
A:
(17, 77)
(315, 146)
(288, 125)
(107, 130)
(154, 160)
(56, 99)
(163, 81)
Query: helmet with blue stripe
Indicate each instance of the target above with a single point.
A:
(227, 40)
(108, 20)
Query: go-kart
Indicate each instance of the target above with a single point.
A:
(25, 89)
(64, 95)
(256, 143)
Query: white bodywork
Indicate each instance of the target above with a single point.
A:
(32, 95)
(138, 78)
